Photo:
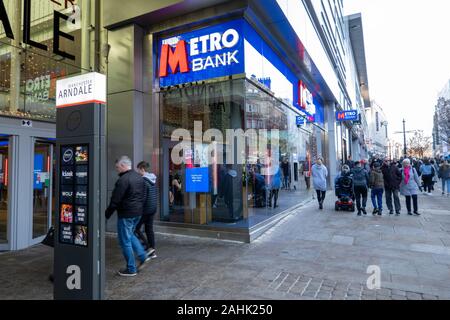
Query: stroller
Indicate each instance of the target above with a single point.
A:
(345, 194)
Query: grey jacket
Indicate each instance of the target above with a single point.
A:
(412, 188)
(319, 176)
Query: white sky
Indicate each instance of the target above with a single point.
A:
(408, 57)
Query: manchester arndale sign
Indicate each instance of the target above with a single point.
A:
(83, 89)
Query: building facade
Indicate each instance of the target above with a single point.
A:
(221, 97)
(441, 124)
(378, 131)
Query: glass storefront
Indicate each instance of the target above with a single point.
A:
(240, 188)
(4, 183)
(42, 187)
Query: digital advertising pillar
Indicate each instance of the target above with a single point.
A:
(79, 257)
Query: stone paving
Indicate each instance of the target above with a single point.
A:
(311, 254)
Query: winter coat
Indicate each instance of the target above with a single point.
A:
(128, 196)
(376, 180)
(444, 171)
(427, 170)
(276, 180)
(319, 176)
(360, 177)
(412, 188)
(150, 194)
(392, 176)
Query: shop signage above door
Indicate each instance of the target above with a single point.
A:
(202, 54)
(348, 115)
(57, 33)
(83, 89)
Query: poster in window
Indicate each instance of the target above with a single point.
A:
(80, 235)
(67, 156)
(81, 175)
(67, 213)
(81, 154)
(67, 175)
(65, 233)
(81, 195)
(66, 194)
(81, 215)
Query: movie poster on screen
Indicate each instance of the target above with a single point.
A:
(66, 194)
(81, 155)
(81, 195)
(66, 213)
(80, 235)
(67, 156)
(81, 174)
(67, 175)
(81, 215)
(66, 235)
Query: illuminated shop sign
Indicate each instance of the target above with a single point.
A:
(305, 98)
(349, 115)
(202, 54)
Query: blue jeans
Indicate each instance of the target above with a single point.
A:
(445, 182)
(377, 196)
(129, 242)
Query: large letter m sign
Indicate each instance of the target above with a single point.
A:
(173, 59)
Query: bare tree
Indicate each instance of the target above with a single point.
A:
(419, 145)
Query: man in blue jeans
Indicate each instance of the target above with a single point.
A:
(376, 183)
(128, 200)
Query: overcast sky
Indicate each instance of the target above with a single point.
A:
(408, 57)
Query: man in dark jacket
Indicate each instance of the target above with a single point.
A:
(149, 210)
(127, 199)
(392, 178)
(360, 186)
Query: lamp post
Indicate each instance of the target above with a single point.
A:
(404, 139)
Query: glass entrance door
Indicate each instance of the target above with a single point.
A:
(4, 183)
(42, 187)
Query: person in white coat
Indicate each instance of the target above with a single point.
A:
(319, 175)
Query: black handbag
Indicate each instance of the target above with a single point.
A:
(49, 239)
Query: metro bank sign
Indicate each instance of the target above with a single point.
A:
(202, 54)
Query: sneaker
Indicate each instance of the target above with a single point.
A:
(409, 214)
(375, 211)
(126, 273)
(380, 213)
(364, 210)
(391, 212)
(416, 213)
(142, 264)
(153, 255)
(150, 251)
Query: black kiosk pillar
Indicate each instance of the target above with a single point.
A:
(79, 259)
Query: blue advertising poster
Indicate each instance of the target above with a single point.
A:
(38, 169)
(197, 180)
(202, 54)
(348, 115)
(300, 121)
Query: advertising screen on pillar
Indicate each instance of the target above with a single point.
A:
(202, 54)
(74, 184)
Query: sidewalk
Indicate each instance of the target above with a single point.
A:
(311, 254)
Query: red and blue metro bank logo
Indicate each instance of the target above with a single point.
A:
(202, 54)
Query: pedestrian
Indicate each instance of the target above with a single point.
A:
(427, 172)
(286, 168)
(376, 183)
(128, 199)
(435, 177)
(149, 210)
(350, 163)
(444, 175)
(392, 178)
(410, 186)
(275, 186)
(319, 177)
(360, 185)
